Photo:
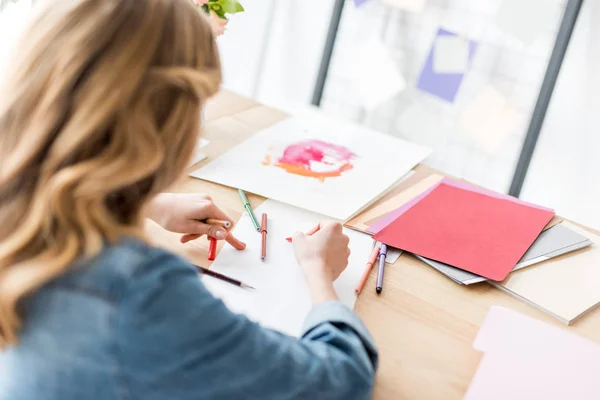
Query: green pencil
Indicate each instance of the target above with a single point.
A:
(249, 209)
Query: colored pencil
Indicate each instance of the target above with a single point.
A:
(224, 278)
(212, 249)
(212, 221)
(368, 268)
(382, 256)
(248, 208)
(263, 233)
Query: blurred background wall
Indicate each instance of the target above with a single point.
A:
(273, 50)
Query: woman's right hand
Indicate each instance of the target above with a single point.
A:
(323, 256)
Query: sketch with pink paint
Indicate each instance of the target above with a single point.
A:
(330, 167)
(312, 158)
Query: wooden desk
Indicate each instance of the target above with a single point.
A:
(424, 324)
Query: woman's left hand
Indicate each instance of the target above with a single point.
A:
(184, 213)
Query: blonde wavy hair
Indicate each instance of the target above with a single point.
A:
(100, 111)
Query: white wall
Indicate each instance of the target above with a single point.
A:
(12, 20)
(291, 35)
(565, 171)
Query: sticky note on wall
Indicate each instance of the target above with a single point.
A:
(450, 55)
(374, 74)
(407, 5)
(524, 19)
(444, 85)
(489, 120)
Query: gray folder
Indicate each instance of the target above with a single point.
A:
(551, 243)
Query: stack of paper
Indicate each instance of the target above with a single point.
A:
(566, 287)
(527, 359)
(414, 183)
(390, 217)
(454, 235)
(281, 300)
(556, 241)
(476, 232)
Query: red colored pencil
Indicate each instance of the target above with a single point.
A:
(212, 249)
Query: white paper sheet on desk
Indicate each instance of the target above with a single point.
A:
(392, 255)
(198, 154)
(331, 167)
(281, 300)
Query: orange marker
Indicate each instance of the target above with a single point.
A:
(212, 249)
(369, 267)
(309, 233)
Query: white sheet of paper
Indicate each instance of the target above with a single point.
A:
(415, 6)
(392, 255)
(375, 75)
(281, 300)
(330, 167)
(524, 19)
(450, 55)
(198, 154)
(489, 120)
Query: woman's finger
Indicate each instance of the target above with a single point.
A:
(235, 243)
(200, 228)
(190, 237)
(232, 240)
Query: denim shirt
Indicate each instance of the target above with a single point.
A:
(136, 322)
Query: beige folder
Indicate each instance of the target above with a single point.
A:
(565, 287)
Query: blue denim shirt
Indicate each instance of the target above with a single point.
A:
(137, 323)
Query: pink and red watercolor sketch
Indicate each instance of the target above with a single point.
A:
(312, 158)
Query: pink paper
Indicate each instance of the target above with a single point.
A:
(386, 220)
(503, 376)
(529, 359)
(506, 330)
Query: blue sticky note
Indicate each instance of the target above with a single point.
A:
(359, 3)
(444, 86)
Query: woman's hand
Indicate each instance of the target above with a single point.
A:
(323, 256)
(184, 213)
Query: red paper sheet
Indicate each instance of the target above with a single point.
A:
(475, 232)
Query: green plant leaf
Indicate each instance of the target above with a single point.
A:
(229, 6)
